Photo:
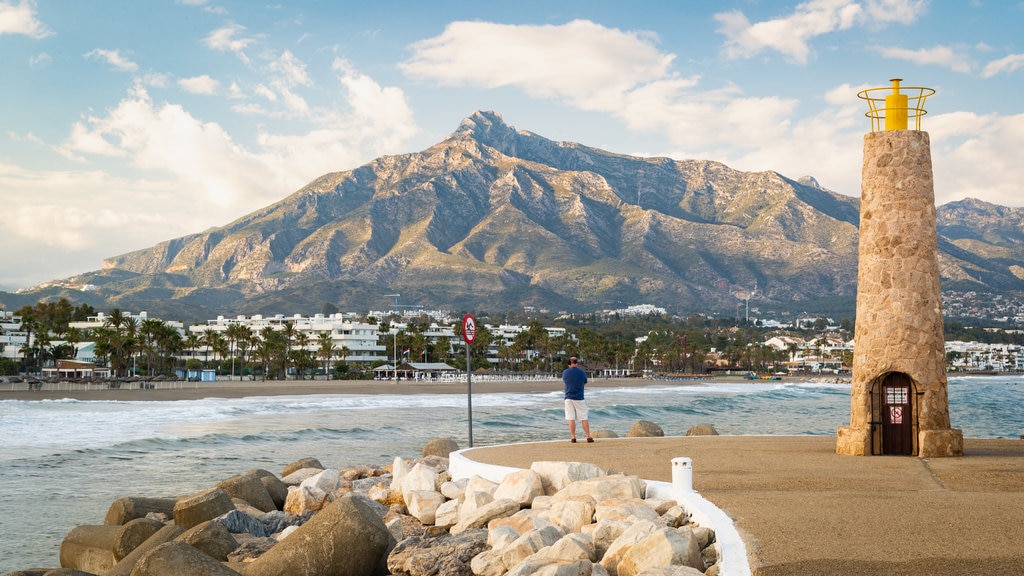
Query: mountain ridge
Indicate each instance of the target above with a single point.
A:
(491, 216)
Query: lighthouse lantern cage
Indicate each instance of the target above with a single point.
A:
(891, 107)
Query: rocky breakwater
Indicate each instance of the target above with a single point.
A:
(407, 519)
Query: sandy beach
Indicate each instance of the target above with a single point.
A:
(242, 388)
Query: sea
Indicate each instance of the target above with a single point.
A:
(63, 462)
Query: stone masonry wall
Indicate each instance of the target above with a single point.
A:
(899, 308)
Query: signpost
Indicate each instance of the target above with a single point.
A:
(469, 335)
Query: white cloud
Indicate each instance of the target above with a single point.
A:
(290, 71)
(790, 35)
(581, 62)
(194, 174)
(976, 156)
(114, 58)
(938, 55)
(226, 39)
(21, 19)
(1005, 65)
(199, 85)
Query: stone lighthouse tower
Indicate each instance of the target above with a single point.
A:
(898, 399)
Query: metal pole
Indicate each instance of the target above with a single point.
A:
(469, 395)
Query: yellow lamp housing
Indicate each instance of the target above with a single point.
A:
(892, 108)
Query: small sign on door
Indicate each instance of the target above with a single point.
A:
(896, 414)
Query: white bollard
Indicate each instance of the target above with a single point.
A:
(682, 475)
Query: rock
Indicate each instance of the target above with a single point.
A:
(439, 554)
(603, 434)
(421, 477)
(440, 447)
(250, 549)
(57, 572)
(454, 489)
(663, 547)
(528, 544)
(558, 475)
(277, 489)
(127, 564)
(89, 548)
(249, 488)
(549, 568)
(399, 469)
(644, 429)
(212, 538)
(308, 462)
(624, 509)
(481, 516)
(522, 486)
(277, 521)
(347, 538)
(327, 481)
(702, 430)
(604, 488)
(124, 510)
(571, 515)
(297, 477)
(305, 499)
(472, 501)
(384, 495)
(571, 547)
(236, 522)
(604, 532)
(500, 536)
(634, 533)
(423, 504)
(198, 508)
(523, 521)
(177, 559)
(481, 484)
(132, 534)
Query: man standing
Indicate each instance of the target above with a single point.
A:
(575, 406)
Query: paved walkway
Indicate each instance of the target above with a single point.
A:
(803, 510)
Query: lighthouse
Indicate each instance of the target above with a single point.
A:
(898, 395)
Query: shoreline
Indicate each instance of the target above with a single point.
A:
(170, 391)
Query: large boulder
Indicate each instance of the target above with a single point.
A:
(198, 508)
(125, 509)
(212, 538)
(179, 559)
(604, 488)
(132, 534)
(347, 538)
(522, 486)
(127, 564)
(702, 430)
(440, 447)
(89, 548)
(644, 429)
(437, 554)
(248, 487)
(663, 547)
(308, 462)
(556, 475)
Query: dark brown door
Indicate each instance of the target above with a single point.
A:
(897, 421)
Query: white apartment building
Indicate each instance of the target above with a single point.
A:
(12, 338)
(359, 339)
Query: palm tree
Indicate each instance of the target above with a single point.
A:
(326, 351)
(300, 354)
(234, 332)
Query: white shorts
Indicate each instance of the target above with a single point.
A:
(575, 410)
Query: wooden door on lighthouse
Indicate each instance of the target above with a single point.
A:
(897, 394)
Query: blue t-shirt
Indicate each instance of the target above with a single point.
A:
(574, 378)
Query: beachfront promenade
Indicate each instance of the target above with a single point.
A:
(805, 511)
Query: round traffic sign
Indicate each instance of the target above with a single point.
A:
(468, 328)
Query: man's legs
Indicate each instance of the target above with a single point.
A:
(572, 429)
(586, 428)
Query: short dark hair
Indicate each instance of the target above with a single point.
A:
(572, 360)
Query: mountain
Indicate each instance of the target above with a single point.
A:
(492, 219)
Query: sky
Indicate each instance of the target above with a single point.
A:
(124, 124)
